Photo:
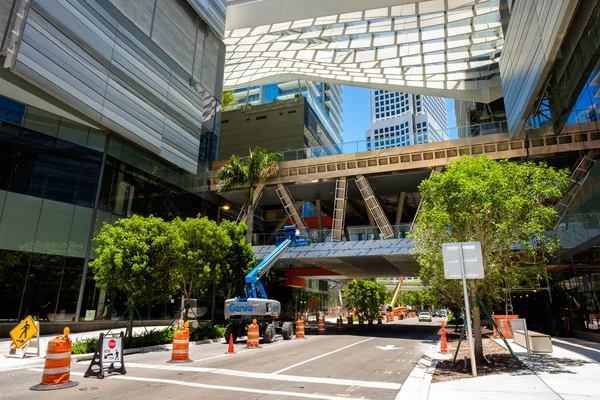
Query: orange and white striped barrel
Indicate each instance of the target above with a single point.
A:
(322, 326)
(350, 319)
(379, 319)
(181, 345)
(253, 336)
(300, 328)
(340, 324)
(57, 368)
(361, 320)
(370, 319)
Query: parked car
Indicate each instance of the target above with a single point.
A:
(425, 316)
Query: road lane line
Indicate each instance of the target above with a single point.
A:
(321, 356)
(268, 376)
(216, 387)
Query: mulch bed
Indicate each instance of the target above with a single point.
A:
(500, 361)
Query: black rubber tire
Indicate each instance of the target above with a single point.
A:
(231, 329)
(287, 330)
(269, 335)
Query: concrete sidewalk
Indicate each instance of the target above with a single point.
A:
(571, 371)
(16, 363)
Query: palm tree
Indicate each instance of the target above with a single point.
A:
(252, 171)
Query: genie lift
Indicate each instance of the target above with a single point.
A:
(240, 311)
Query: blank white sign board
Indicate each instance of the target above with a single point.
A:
(471, 257)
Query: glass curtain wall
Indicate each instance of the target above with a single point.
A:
(50, 171)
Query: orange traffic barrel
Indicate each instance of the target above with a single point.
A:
(370, 319)
(181, 345)
(350, 319)
(361, 320)
(340, 324)
(300, 328)
(379, 319)
(253, 336)
(322, 326)
(57, 368)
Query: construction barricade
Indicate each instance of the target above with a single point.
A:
(361, 321)
(300, 328)
(181, 345)
(339, 326)
(322, 326)
(370, 319)
(443, 342)
(379, 319)
(253, 340)
(57, 368)
(350, 319)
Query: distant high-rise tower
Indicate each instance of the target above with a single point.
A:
(402, 119)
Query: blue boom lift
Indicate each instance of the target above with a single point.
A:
(240, 311)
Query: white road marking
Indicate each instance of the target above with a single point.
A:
(321, 356)
(259, 375)
(239, 352)
(216, 387)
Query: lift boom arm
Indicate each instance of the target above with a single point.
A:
(253, 279)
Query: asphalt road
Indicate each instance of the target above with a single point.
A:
(368, 363)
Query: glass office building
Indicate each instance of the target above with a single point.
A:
(94, 127)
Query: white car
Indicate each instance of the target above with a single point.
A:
(425, 316)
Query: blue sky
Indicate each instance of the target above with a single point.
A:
(357, 113)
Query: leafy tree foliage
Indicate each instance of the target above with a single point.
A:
(252, 171)
(506, 206)
(228, 100)
(202, 246)
(238, 261)
(137, 256)
(417, 298)
(365, 295)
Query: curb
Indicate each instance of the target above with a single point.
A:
(418, 382)
(147, 349)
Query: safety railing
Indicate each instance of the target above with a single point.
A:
(325, 235)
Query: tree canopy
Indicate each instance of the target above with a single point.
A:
(228, 100)
(507, 207)
(365, 295)
(202, 247)
(238, 260)
(417, 298)
(137, 256)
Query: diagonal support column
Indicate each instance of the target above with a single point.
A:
(374, 207)
(288, 204)
(578, 177)
(339, 208)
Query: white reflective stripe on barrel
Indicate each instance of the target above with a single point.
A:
(52, 371)
(179, 341)
(180, 351)
(53, 356)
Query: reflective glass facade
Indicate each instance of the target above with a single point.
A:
(59, 181)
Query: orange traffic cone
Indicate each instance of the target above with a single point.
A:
(230, 349)
(443, 343)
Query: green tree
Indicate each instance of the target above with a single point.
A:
(203, 246)
(252, 171)
(418, 298)
(366, 295)
(238, 261)
(499, 204)
(228, 100)
(137, 256)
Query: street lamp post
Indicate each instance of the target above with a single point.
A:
(214, 286)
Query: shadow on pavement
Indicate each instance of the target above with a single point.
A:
(553, 365)
(393, 331)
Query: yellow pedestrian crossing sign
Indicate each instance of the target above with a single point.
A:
(23, 332)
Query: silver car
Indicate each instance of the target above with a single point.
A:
(425, 316)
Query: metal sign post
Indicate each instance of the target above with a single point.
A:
(462, 261)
